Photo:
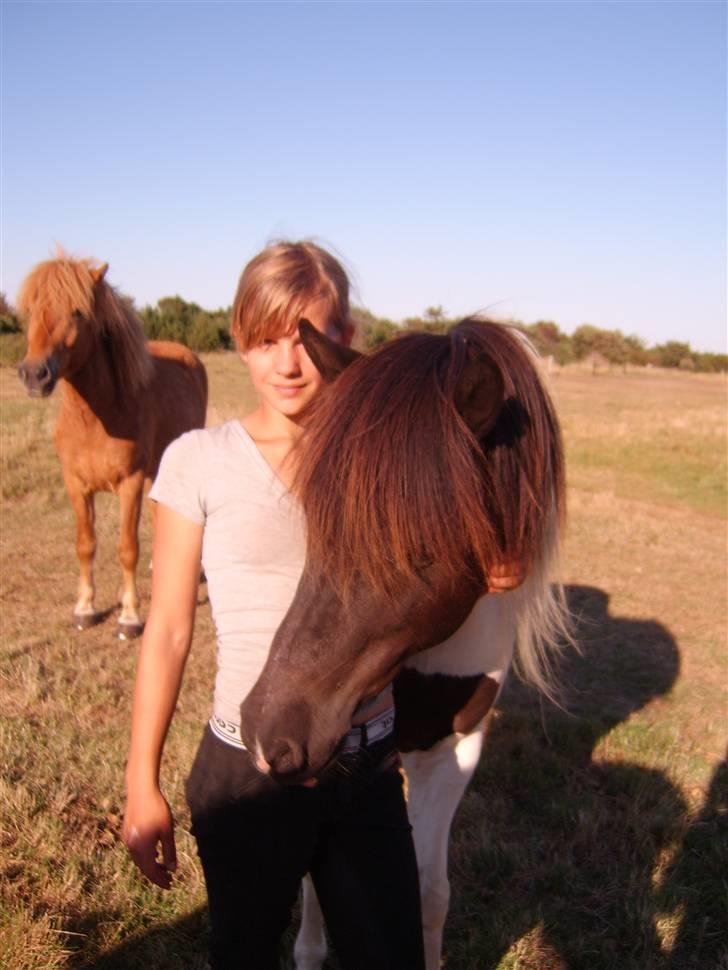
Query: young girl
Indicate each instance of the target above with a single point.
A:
(223, 498)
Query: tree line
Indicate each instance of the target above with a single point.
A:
(173, 318)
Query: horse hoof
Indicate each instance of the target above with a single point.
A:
(129, 631)
(83, 621)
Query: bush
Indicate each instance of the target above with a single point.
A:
(12, 348)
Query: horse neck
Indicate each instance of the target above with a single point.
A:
(93, 387)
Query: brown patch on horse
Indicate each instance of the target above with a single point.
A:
(430, 707)
(420, 453)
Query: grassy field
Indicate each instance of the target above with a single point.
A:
(593, 837)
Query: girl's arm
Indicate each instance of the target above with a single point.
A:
(148, 822)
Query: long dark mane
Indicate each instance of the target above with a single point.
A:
(391, 477)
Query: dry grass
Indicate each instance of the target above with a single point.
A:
(594, 837)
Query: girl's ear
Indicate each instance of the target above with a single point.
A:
(328, 357)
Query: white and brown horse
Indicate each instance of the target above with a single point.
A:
(431, 467)
(124, 400)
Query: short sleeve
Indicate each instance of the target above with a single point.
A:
(179, 480)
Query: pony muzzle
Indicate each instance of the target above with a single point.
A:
(39, 377)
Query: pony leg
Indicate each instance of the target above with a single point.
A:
(130, 497)
(436, 781)
(84, 613)
(309, 951)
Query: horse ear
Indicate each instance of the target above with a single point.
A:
(479, 393)
(328, 357)
(99, 272)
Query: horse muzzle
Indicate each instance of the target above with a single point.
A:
(39, 378)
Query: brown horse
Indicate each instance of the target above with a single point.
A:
(124, 400)
(431, 468)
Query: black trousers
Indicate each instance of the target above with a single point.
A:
(257, 839)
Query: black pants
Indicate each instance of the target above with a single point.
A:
(257, 839)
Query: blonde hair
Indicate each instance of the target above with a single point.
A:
(279, 283)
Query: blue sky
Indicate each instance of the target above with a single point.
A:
(561, 161)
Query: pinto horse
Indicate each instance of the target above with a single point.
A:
(431, 467)
(124, 400)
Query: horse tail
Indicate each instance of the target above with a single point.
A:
(544, 624)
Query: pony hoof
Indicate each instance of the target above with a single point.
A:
(83, 621)
(129, 631)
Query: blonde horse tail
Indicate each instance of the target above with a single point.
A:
(544, 625)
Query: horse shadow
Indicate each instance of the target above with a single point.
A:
(554, 841)
(559, 842)
(181, 943)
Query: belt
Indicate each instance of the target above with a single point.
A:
(360, 736)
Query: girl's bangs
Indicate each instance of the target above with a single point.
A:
(282, 320)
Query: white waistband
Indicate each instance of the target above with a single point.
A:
(356, 737)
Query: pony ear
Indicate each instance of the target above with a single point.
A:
(99, 272)
(479, 393)
(329, 358)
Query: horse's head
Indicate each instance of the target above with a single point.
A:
(415, 482)
(57, 301)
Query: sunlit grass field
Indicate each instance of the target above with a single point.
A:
(592, 837)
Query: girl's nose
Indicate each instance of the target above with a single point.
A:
(287, 362)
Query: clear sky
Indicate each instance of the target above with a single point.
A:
(562, 161)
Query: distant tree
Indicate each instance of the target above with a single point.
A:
(708, 363)
(671, 353)
(637, 353)
(434, 314)
(9, 322)
(549, 341)
(209, 331)
(433, 320)
(372, 330)
(610, 344)
(584, 340)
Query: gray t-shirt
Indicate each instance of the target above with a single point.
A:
(253, 547)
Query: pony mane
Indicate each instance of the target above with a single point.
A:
(391, 477)
(59, 287)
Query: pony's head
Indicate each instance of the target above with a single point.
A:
(425, 465)
(71, 313)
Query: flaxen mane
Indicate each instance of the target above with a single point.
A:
(60, 288)
(391, 476)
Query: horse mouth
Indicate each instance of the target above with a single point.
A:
(44, 390)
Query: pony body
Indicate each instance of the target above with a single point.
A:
(124, 400)
(428, 467)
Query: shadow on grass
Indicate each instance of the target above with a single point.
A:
(172, 946)
(577, 851)
(568, 848)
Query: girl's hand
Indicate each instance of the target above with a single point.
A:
(149, 827)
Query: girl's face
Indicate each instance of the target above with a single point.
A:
(281, 370)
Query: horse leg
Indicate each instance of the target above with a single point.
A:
(436, 781)
(130, 498)
(84, 613)
(309, 951)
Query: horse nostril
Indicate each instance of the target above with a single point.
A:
(38, 375)
(286, 756)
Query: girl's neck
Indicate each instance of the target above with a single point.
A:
(265, 424)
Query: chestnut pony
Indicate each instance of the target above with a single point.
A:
(430, 467)
(123, 401)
